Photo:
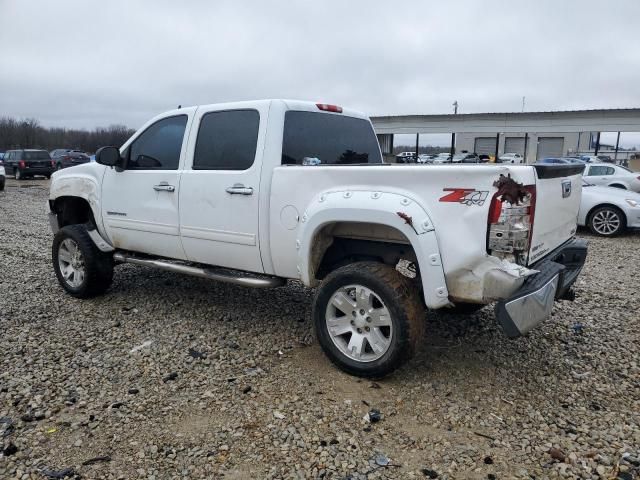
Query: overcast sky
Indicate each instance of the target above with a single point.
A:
(83, 63)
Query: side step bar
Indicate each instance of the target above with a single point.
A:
(237, 278)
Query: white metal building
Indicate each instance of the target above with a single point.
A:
(533, 134)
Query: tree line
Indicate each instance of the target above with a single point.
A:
(28, 133)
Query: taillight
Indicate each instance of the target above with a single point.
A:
(53, 164)
(21, 164)
(510, 227)
(329, 108)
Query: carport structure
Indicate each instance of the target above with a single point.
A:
(533, 134)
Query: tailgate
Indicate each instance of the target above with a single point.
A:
(558, 192)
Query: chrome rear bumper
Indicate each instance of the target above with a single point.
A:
(533, 302)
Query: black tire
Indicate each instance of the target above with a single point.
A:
(594, 221)
(98, 266)
(462, 308)
(402, 300)
(2, 180)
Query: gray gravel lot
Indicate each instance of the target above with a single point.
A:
(176, 377)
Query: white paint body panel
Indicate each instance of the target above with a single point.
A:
(218, 228)
(629, 180)
(594, 196)
(274, 230)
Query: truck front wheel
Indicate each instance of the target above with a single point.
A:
(82, 269)
(368, 318)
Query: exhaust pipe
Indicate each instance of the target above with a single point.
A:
(236, 278)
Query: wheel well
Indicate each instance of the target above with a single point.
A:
(615, 207)
(72, 211)
(342, 243)
(618, 185)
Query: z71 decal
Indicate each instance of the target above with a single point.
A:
(465, 196)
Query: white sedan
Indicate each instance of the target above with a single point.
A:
(606, 174)
(3, 176)
(511, 158)
(608, 211)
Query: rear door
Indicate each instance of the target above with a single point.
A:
(558, 194)
(140, 203)
(220, 187)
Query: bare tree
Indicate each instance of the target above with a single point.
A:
(28, 133)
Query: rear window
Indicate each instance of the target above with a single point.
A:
(323, 139)
(41, 155)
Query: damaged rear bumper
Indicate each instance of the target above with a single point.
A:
(533, 302)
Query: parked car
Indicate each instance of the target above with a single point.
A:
(3, 176)
(442, 158)
(27, 163)
(554, 160)
(590, 159)
(605, 174)
(511, 158)
(64, 158)
(484, 158)
(605, 158)
(406, 157)
(466, 158)
(424, 158)
(608, 211)
(224, 209)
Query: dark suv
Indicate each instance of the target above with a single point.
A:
(63, 158)
(27, 163)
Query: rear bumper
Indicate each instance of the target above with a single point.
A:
(37, 170)
(533, 302)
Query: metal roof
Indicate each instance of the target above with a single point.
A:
(563, 121)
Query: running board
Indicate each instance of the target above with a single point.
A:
(228, 276)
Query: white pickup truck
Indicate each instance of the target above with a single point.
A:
(255, 193)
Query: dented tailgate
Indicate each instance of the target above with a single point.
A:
(558, 193)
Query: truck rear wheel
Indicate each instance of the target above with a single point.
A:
(368, 318)
(82, 269)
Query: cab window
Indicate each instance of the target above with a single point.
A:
(159, 146)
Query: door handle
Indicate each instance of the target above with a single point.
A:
(239, 189)
(164, 187)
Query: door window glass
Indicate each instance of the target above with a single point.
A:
(227, 140)
(159, 146)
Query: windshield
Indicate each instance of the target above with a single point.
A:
(313, 138)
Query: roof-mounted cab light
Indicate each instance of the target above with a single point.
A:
(325, 107)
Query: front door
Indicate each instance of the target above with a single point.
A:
(220, 188)
(140, 203)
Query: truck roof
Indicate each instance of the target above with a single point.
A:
(288, 104)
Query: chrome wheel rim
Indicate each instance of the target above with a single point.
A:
(606, 222)
(359, 324)
(71, 263)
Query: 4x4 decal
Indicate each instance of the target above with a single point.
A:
(465, 196)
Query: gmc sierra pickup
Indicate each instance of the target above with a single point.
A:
(255, 193)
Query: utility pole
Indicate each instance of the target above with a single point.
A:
(523, 103)
(453, 134)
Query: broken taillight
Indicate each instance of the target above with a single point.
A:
(510, 226)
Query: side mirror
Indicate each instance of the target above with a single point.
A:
(109, 156)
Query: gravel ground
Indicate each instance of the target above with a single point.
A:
(175, 377)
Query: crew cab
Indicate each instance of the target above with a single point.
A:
(255, 193)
